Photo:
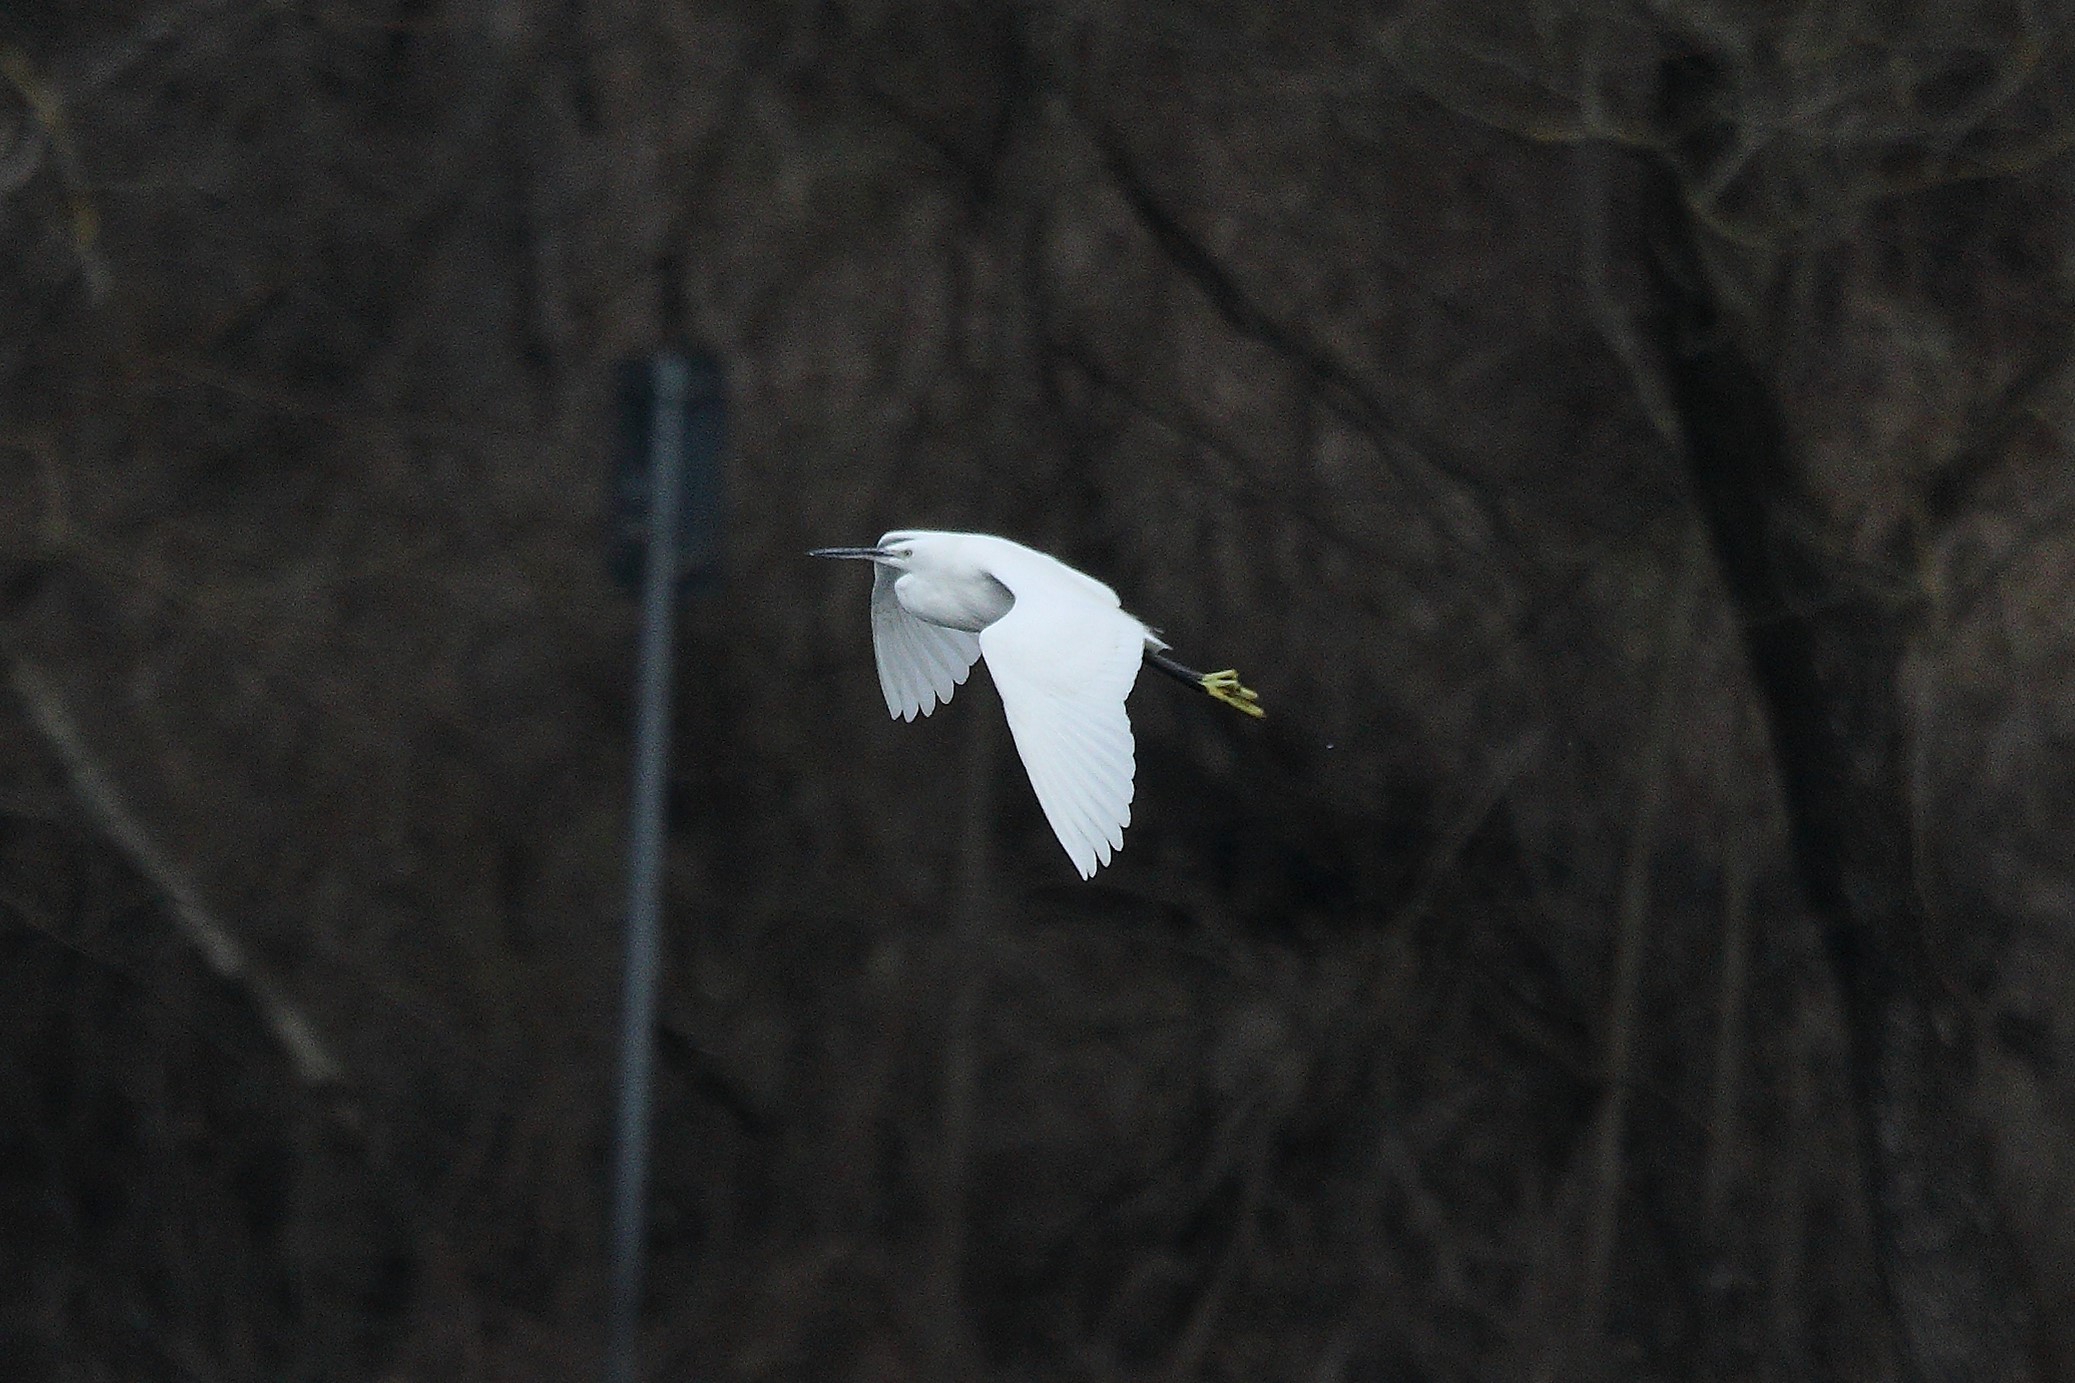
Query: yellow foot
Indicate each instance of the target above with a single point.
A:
(1225, 687)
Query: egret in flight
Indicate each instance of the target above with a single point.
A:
(1063, 654)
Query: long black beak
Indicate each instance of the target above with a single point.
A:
(862, 554)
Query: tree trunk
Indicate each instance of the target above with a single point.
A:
(1825, 634)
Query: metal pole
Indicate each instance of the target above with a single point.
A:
(645, 850)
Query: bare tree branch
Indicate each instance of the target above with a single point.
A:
(1724, 1137)
(48, 107)
(1631, 942)
(1446, 478)
(1990, 448)
(219, 949)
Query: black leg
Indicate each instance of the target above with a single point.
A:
(1223, 686)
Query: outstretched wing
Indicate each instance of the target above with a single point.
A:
(1063, 663)
(920, 663)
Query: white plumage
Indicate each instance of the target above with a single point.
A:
(1062, 652)
(1061, 649)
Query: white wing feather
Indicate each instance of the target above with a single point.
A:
(1064, 659)
(920, 663)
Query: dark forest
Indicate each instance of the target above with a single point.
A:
(1625, 443)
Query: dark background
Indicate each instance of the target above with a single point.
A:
(1626, 444)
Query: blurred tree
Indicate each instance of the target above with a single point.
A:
(1400, 352)
(1772, 150)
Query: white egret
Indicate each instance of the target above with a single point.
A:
(1063, 654)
